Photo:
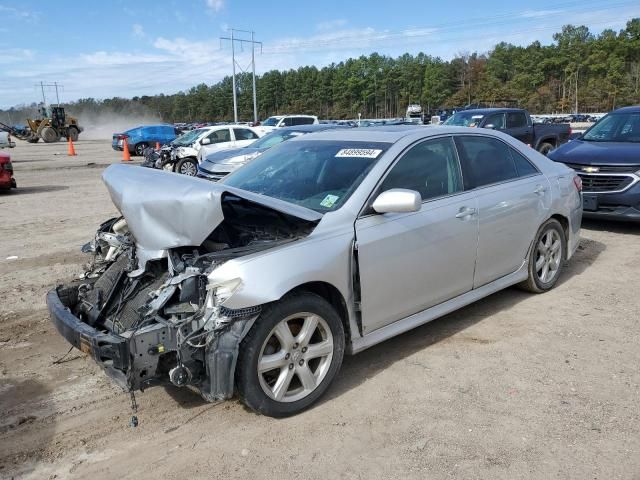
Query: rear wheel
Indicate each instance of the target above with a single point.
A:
(49, 135)
(187, 166)
(547, 258)
(545, 148)
(139, 148)
(290, 356)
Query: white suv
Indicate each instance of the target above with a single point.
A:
(271, 123)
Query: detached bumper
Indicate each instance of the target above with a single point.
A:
(110, 351)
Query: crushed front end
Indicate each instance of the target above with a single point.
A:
(160, 320)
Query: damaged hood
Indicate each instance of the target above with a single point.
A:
(165, 210)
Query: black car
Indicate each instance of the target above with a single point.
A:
(515, 122)
(607, 158)
(218, 165)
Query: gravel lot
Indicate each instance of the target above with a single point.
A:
(515, 386)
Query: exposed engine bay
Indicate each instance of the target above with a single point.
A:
(170, 322)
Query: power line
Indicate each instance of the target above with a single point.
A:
(253, 44)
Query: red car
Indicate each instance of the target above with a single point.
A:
(6, 172)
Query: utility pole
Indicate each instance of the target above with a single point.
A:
(253, 44)
(577, 71)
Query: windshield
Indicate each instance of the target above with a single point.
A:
(189, 137)
(271, 122)
(316, 174)
(615, 127)
(275, 138)
(464, 119)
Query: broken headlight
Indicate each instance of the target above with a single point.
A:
(222, 291)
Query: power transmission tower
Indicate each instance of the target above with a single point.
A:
(54, 84)
(233, 39)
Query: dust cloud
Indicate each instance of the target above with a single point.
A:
(101, 126)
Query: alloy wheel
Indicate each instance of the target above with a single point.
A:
(295, 357)
(188, 168)
(548, 256)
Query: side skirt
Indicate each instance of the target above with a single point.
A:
(420, 318)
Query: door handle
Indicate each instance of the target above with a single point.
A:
(465, 212)
(540, 190)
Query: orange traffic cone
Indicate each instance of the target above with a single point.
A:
(158, 146)
(72, 151)
(126, 156)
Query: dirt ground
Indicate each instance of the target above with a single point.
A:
(515, 386)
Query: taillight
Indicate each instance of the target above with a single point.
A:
(122, 137)
(577, 181)
(570, 131)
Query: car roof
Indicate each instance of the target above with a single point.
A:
(317, 127)
(385, 134)
(486, 111)
(632, 109)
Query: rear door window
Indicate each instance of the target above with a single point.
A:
(516, 120)
(303, 120)
(484, 161)
(244, 134)
(496, 119)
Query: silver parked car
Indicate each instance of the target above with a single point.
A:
(328, 243)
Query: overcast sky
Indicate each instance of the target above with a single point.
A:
(127, 48)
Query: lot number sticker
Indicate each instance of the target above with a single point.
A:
(358, 153)
(329, 201)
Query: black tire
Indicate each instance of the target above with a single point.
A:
(187, 166)
(139, 148)
(545, 148)
(248, 381)
(34, 140)
(49, 135)
(534, 283)
(73, 133)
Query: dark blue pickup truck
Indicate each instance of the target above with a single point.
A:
(607, 158)
(517, 123)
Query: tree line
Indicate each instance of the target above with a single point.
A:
(597, 73)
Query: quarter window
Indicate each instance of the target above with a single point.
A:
(523, 166)
(430, 168)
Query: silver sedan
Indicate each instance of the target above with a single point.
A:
(324, 245)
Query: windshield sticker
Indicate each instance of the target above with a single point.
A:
(358, 153)
(329, 201)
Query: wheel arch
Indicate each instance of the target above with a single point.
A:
(332, 295)
(564, 222)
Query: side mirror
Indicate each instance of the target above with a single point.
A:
(397, 200)
(205, 141)
(490, 126)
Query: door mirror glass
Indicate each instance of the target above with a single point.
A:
(490, 126)
(397, 200)
(205, 141)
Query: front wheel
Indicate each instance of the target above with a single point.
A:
(290, 356)
(547, 258)
(187, 166)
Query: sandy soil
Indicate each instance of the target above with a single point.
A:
(515, 386)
